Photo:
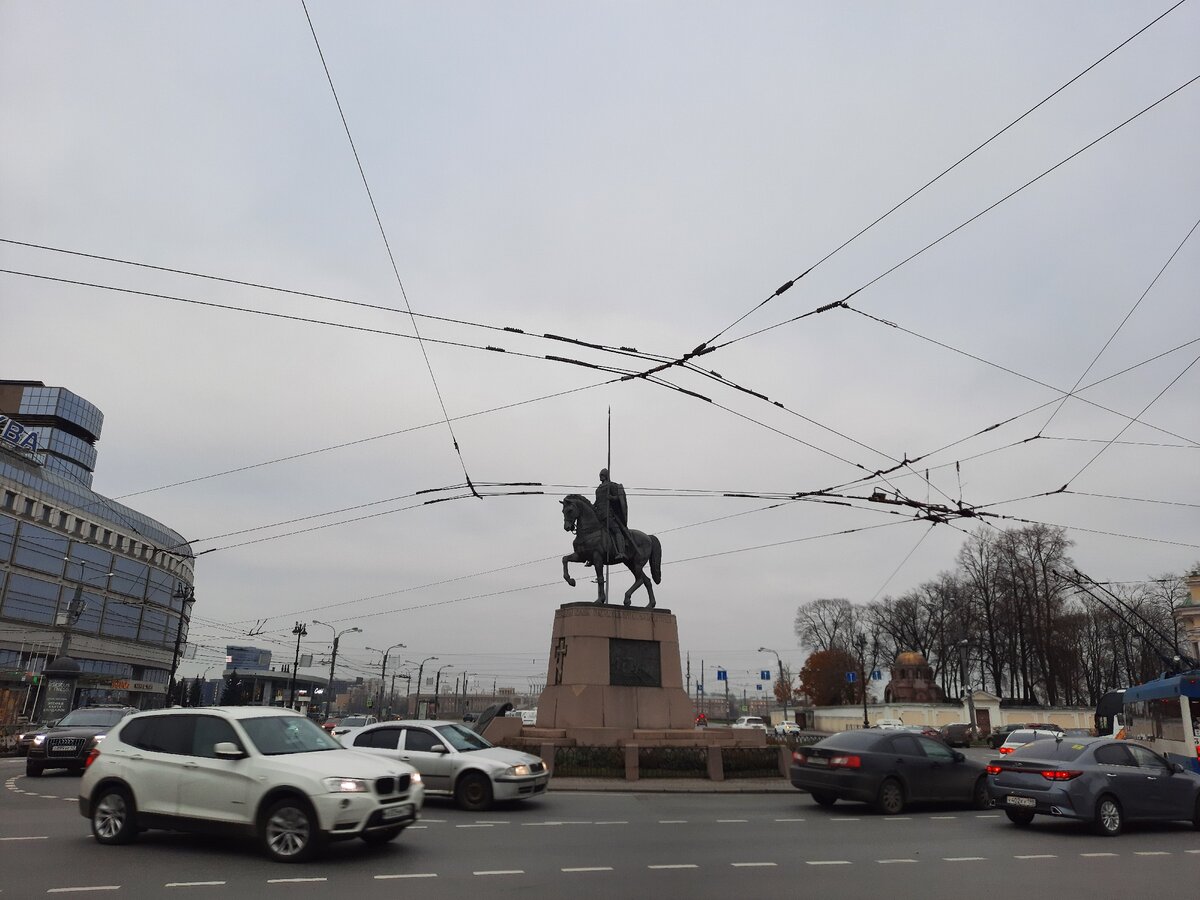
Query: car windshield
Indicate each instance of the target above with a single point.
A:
(1051, 749)
(92, 717)
(280, 735)
(462, 739)
(862, 739)
(354, 721)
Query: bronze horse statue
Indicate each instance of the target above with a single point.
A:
(593, 547)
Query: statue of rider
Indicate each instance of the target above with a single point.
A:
(613, 511)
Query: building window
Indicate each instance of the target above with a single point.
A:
(62, 520)
(79, 526)
(107, 538)
(10, 499)
(29, 504)
(46, 510)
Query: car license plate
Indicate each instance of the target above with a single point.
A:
(1020, 801)
(818, 761)
(404, 811)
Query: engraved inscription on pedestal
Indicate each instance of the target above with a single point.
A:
(634, 663)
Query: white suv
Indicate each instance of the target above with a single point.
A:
(260, 771)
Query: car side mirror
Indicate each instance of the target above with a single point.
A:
(1176, 768)
(958, 757)
(228, 750)
(437, 748)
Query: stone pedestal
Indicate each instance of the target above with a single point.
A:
(613, 670)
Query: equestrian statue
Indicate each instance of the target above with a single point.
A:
(603, 537)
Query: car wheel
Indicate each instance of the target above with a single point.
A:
(33, 770)
(473, 792)
(1021, 819)
(113, 816)
(289, 831)
(378, 838)
(1109, 819)
(824, 798)
(890, 799)
(979, 796)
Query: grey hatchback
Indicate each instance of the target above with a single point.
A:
(1100, 780)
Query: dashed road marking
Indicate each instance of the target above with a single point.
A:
(887, 862)
(675, 866)
(964, 858)
(1037, 856)
(752, 865)
(677, 821)
(846, 819)
(989, 816)
(589, 869)
(77, 890)
(39, 837)
(941, 818)
(614, 822)
(1151, 853)
(193, 883)
(293, 880)
(500, 872)
(476, 825)
(492, 822)
(827, 862)
(897, 818)
(407, 875)
(1093, 855)
(789, 820)
(730, 821)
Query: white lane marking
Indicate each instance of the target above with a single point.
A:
(897, 818)
(413, 875)
(491, 822)
(677, 821)
(789, 820)
(49, 796)
(293, 880)
(751, 865)
(539, 824)
(418, 826)
(1191, 851)
(192, 883)
(40, 837)
(989, 816)
(473, 826)
(1151, 853)
(73, 890)
(885, 862)
(1097, 854)
(675, 866)
(500, 872)
(828, 862)
(1037, 856)
(941, 818)
(845, 819)
(615, 822)
(730, 821)
(964, 858)
(590, 869)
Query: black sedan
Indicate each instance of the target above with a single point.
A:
(67, 744)
(887, 769)
(1099, 780)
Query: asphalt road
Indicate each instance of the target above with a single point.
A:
(584, 844)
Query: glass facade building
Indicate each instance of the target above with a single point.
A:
(79, 571)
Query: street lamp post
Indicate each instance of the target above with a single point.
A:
(301, 630)
(420, 673)
(963, 649)
(383, 675)
(337, 636)
(185, 594)
(437, 684)
(785, 688)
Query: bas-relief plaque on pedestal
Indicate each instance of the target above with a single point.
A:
(634, 663)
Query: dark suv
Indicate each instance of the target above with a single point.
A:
(67, 744)
(959, 735)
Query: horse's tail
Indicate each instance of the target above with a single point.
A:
(655, 559)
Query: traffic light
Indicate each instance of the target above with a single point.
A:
(33, 678)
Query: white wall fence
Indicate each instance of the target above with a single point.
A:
(845, 718)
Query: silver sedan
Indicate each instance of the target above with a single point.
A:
(455, 761)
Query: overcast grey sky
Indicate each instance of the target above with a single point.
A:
(630, 175)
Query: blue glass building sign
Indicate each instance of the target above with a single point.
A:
(13, 432)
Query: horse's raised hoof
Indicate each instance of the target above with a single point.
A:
(571, 582)
(628, 602)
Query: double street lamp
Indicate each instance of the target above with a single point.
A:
(337, 636)
(301, 630)
(437, 684)
(420, 672)
(383, 674)
(784, 688)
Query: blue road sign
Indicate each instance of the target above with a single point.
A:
(765, 675)
(721, 673)
(852, 677)
(876, 675)
(758, 687)
(699, 688)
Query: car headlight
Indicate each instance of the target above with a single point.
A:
(347, 785)
(39, 739)
(416, 778)
(98, 738)
(517, 771)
